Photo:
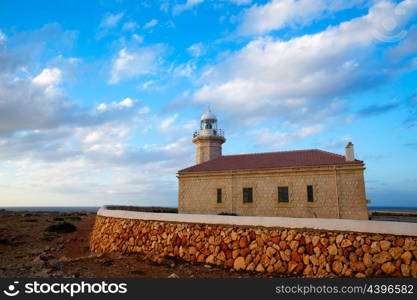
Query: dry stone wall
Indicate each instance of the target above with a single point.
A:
(261, 249)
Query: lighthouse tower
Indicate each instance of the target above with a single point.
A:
(208, 138)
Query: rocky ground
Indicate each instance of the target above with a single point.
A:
(27, 250)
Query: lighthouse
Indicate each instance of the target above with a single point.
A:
(208, 138)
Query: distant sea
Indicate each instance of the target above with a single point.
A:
(53, 208)
(392, 207)
(96, 208)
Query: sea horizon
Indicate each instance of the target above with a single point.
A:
(96, 208)
(53, 208)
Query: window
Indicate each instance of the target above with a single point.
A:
(219, 195)
(310, 195)
(283, 194)
(247, 195)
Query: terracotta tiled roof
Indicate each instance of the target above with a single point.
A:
(281, 159)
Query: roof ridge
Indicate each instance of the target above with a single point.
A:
(285, 151)
(263, 160)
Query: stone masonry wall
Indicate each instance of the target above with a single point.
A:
(351, 193)
(207, 148)
(338, 193)
(261, 249)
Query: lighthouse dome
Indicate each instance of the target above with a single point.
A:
(208, 115)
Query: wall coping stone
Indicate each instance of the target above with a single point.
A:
(364, 226)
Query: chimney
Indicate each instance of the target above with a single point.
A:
(350, 155)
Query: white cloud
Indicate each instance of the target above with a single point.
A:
(48, 80)
(277, 14)
(138, 38)
(125, 103)
(273, 139)
(305, 76)
(179, 8)
(278, 139)
(48, 77)
(53, 150)
(407, 46)
(167, 123)
(104, 169)
(171, 125)
(197, 50)
(34, 102)
(111, 20)
(184, 70)
(104, 134)
(310, 130)
(2, 36)
(150, 24)
(130, 63)
(241, 2)
(164, 5)
(92, 161)
(74, 60)
(189, 4)
(102, 107)
(147, 84)
(130, 26)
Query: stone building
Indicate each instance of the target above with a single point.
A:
(300, 183)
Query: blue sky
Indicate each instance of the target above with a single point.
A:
(99, 99)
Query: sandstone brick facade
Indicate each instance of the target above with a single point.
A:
(261, 249)
(338, 192)
(208, 147)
